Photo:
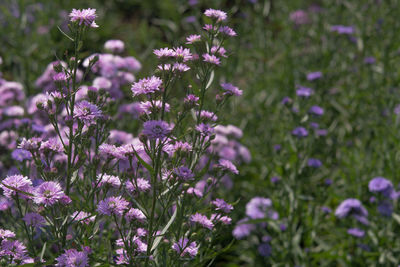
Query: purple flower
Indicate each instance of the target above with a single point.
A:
(230, 89)
(227, 31)
(300, 132)
(146, 86)
(304, 91)
(193, 38)
(48, 193)
(112, 206)
(316, 110)
(21, 154)
(204, 129)
(227, 165)
(73, 258)
(222, 205)
(87, 112)
(202, 220)
(208, 115)
(315, 163)
(183, 247)
(314, 75)
(369, 60)
(85, 16)
(4, 234)
(183, 54)
(299, 17)
(356, 232)
(243, 229)
(184, 173)
(352, 207)
(137, 214)
(16, 250)
(275, 179)
(326, 210)
(34, 219)
(139, 184)
(156, 129)
(211, 59)
(112, 180)
(115, 46)
(83, 217)
(163, 52)
(216, 14)
(259, 208)
(383, 186)
(286, 100)
(14, 184)
(385, 208)
(340, 29)
(264, 249)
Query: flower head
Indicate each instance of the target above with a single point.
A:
(156, 129)
(383, 186)
(183, 247)
(216, 14)
(202, 220)
(14, 184)
(352, 207)
(48, 193)
(34, 219)
(221, 205)
(73, 258)
(227, 165)
(112, 205)
(87, 112)
(146, 86)
(85, 16)
(230, 89)
(184, 173)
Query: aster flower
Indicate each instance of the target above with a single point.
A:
(146, 86)
(216, 14)
(14, 184)
(221, 205)
(242, 229)
(299, 17)
(191, 100)
(30, 144)
(5, 234)
(133, 213)
(85, 16)
(193, 38)
(315, 163)
(352, 207)
(259, 208)
(304, 92)
(156, 129)
(300, 132)
(112, 205)
(211, 59)
(87, 112)
(227, 31)
(183, 54)
(73, 258)
(202, 220)
(139, 185)
(15, 249)
(182, 146)
(48, 193)
(34, 219)
(208, 115)
(180, 67)
(222, 219)
(383, 186)
(209, 27)
(182, 247)
(163, 52)
(21, 155)
(205, 129)
(194, 191)
(60, 77)
(83, 217)
(53, 145)
(227, 165)
(184, 173)
(115, 46)
(316, 110)
(220, 50)
(230, 89)
(112, 180)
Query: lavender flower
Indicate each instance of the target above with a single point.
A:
(314, 75)
(227, 165)
(216, 14)
(300, 132)
(83, 217)
(352, 207)
(356, 232)
(243, 229)
(315, 163)
(112, 180)
(211, 59)
(304, 92)
(340, 29)
(316, 110)
(21, 154)
(205, 129)
(139, 184)
(383, 186)
(259, 207)
(115, 46)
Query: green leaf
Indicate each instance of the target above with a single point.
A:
(164, 230)
(66, 35)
